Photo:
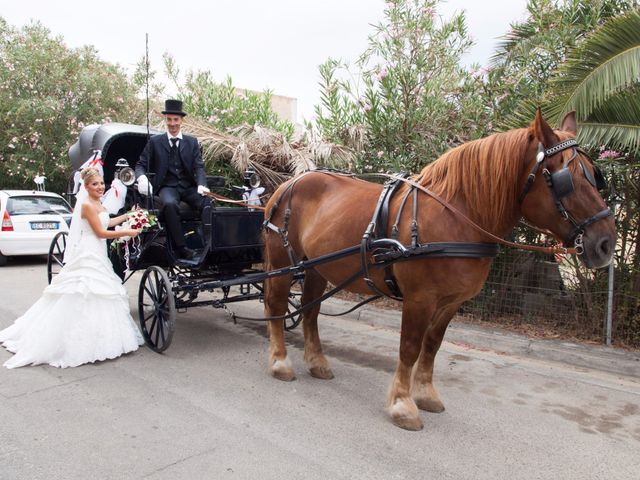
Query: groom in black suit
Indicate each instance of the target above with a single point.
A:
(179, 173)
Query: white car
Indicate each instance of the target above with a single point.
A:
(30, 220)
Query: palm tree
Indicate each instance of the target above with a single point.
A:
(530, 53)
(600, 81)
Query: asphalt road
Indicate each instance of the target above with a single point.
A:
(207, 409)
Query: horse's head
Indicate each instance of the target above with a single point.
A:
(561, 192)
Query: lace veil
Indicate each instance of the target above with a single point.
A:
(75, 229)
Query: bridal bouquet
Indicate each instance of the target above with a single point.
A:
(138, 219)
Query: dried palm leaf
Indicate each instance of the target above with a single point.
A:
(266, 151)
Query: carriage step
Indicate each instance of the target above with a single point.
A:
(183, 262)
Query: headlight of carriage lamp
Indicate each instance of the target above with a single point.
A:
(124, 172)
(127, 176)
(251, 179)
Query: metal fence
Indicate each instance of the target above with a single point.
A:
(556, 296)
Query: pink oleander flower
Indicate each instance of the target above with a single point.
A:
(382, 74)
(429, 12)
(610, 154)
(380, 154)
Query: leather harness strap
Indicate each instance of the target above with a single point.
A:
(377, 228)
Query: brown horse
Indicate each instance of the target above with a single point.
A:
(488, 180)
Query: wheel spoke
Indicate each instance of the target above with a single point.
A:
(163, 297)
(153, 326)
(158, 285)
(152, 285)
(158, 330)
(164, 339)
(151, 294)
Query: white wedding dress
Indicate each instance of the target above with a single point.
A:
(82, 317)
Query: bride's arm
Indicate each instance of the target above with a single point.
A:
(90, 214)
(117, 220)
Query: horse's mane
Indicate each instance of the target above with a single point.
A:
(484, 173)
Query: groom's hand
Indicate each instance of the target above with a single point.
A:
(202, 189)
(144, 187)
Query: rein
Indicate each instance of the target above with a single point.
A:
(221, 198)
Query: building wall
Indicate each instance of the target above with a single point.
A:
(285, 107)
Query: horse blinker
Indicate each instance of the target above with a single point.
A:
(562, 182)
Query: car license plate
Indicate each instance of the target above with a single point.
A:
(44, 225)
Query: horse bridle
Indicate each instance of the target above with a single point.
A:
(561, 184)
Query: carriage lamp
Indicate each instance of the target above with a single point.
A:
(124, 172)
(251, 179)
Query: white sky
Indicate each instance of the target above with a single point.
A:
(275, 44)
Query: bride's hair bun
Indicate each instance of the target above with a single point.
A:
(89, 172)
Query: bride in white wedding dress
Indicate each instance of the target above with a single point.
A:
(83, 316)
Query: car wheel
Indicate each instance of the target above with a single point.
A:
(3, 260)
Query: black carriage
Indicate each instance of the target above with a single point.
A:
(227, 238)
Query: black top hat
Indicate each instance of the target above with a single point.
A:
(173, 107)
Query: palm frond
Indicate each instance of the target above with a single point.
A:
(520, 39)
(263, 150)
(615, 123)
(618, 136)
(240, 159)
(300, 162)
(521, 116)
(607, 63)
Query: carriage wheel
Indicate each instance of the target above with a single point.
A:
(156, 309)
(55, 257)
(294, 304)
(292, 322)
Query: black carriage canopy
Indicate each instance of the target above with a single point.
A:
(115, 141)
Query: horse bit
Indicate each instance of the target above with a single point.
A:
(561, 184)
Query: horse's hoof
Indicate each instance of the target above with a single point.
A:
(283, 371)
(404, 414)
(408, 423)
(285, 376)
(430, 405)
(323, 373)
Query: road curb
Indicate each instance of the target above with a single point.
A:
(595, 357)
